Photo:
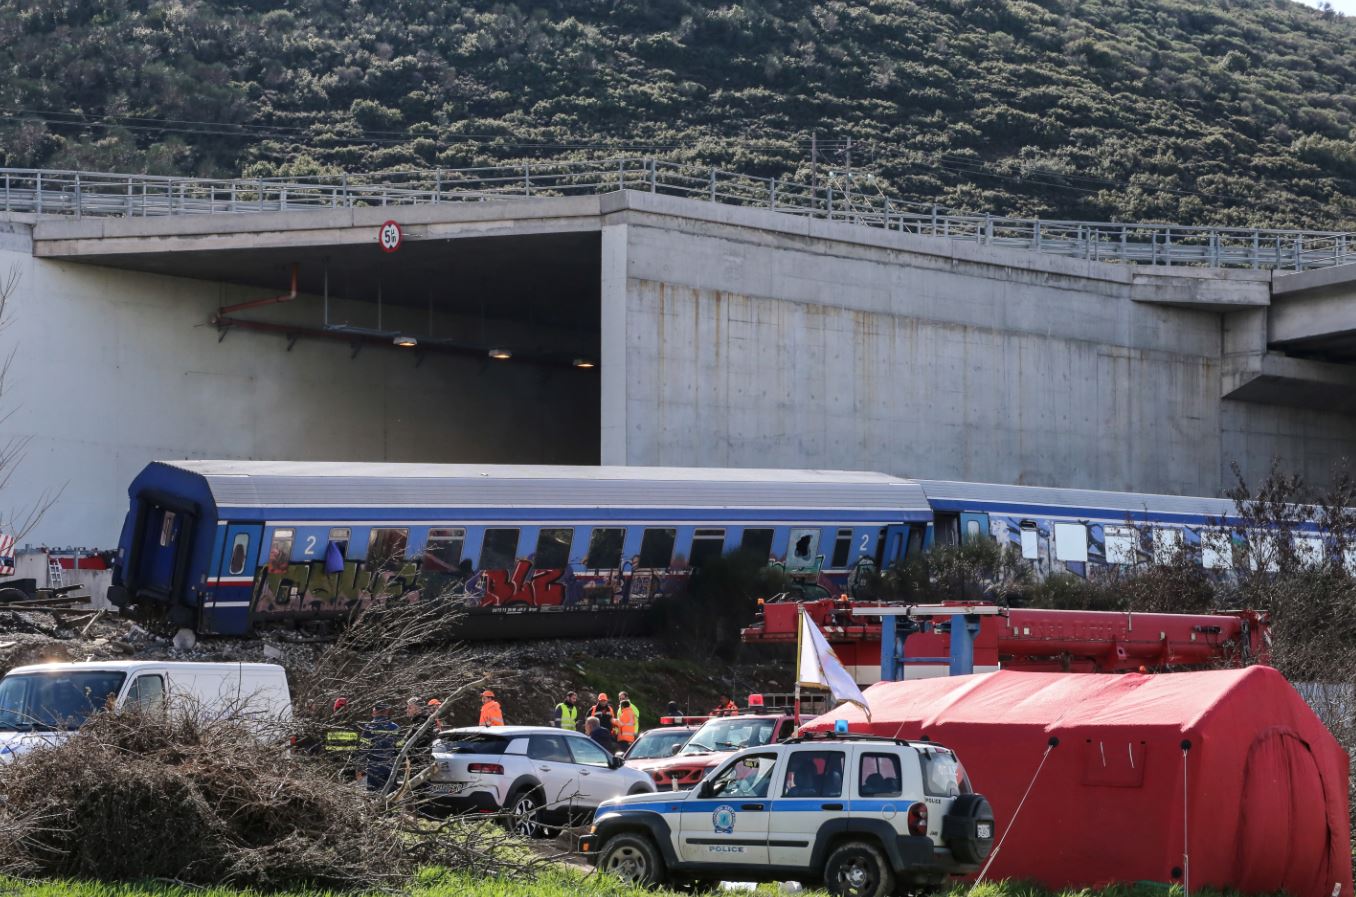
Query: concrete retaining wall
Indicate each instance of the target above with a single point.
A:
(746, 347)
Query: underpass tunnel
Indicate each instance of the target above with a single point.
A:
(470, 349)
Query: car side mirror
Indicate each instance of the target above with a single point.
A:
(705, 791)
(614, 762)
(673, 751)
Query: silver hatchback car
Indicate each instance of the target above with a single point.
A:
(536, 776)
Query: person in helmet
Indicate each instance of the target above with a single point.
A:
(491, 714)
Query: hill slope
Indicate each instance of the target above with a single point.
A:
(1223, 111)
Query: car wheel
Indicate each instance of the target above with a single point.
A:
(638, 789)
(858, 869)
(632, 858)
(522, 815)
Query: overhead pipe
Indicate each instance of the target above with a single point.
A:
(256, 303)
(344, 334)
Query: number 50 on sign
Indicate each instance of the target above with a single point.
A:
(390, 236)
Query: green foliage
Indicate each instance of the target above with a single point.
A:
(1237, 112)
(704, 618)
(979, 570)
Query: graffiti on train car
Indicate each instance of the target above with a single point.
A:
(1076, 546)
(290, 588)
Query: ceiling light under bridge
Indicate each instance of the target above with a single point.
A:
(501, 353)
(405, 342)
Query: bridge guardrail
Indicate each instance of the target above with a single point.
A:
(836, 197)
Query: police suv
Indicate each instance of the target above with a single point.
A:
(865, 816)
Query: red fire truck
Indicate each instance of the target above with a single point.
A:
(932, 640)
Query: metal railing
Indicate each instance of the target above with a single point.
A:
(836, 197)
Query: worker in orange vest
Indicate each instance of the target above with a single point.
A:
(725, 707)
(628, 720)
(490, 713)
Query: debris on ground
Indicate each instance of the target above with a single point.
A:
(215, 803)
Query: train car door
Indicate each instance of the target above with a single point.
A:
(239, 553)
(163, 551)
(893, 542)
(973, 526)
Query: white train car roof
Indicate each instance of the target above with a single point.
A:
(308, 484)
(1091, 504)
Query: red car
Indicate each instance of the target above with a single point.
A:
(717, 738)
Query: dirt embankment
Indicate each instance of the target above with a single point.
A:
(529, 678)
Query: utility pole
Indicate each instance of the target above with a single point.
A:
(847, 164)
(814, 169)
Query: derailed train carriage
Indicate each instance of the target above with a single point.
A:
(222, 547)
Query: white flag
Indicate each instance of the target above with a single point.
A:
(818, 667)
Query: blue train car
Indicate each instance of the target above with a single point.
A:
(1077, 531)
(223, 546)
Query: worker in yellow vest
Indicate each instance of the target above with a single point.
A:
(490, 712)
(628, 720)
(566, 713)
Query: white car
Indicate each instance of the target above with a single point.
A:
(535, 775)
(44, 703)
(866, 817)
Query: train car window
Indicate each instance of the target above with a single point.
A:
(1217, 549)
(1309, 550)
(386, 547)
(802, 551)
(1120, 544)
(1031, 540)
(553, 549)
(239, 552)
(339, 536)
(1167, 543)
(280, 551)
(656, 548)
(757, 542)
(605, 549)
(842, 549)
(167, 529)
(1263, 552)
(1071, 542)
(442, 551)
(706, 544)
(1349, 560)
(500, 549)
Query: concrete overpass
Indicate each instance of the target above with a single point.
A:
(723, 335)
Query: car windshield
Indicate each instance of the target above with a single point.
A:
(55, 701)
(730, 734)
(656, 744)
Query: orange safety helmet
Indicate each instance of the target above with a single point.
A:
(602, 696)
(487, 693)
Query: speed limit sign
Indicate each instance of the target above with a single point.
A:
(390, 236)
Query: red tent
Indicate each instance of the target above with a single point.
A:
(1261, 791)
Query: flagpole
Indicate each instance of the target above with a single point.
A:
(800, 627)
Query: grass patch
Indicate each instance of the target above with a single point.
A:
(557, 883)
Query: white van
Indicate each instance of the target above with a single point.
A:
(40, 703)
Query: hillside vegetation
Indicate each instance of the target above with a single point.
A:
(1207, 111)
